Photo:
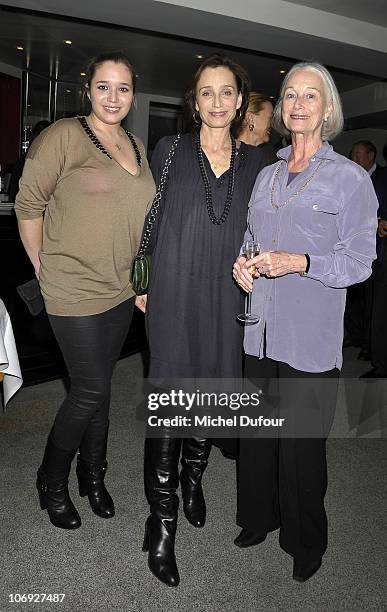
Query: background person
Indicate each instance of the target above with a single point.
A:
(255, 128)
(193, 301)
(374, 298)
(314, 213)
(18, 167)
(92, 181)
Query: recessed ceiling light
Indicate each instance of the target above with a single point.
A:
(68, 42)
(82, 73)
(68, 90)
(282, 71)
(20, 48)
(198, 56)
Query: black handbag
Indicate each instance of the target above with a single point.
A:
(142, 262)
(31, 296)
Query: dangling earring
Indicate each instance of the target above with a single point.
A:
(195, 118)
(236, 118)
(251, 127)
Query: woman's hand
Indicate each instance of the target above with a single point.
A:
(141, 301)
(243, 272)
(279, 263)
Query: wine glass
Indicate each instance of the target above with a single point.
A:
(250, 249)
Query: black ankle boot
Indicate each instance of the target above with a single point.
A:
(91, 470)
(52, 485)
(194, 460)
(91, 483)
(161, 482)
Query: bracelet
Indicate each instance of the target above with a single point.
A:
(307, 265)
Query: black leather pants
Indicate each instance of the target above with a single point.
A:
(90, 346)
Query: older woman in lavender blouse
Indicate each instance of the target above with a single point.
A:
(314, 214)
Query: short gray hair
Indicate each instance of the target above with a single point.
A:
(334, 124)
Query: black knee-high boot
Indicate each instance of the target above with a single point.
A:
(91, 470)
(194, 459)
(52, 485)
(161, 481)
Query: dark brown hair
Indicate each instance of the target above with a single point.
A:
(118, 57)
(218, 61)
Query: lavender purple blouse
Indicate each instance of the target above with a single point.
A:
(334, 220)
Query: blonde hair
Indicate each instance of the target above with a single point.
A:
(256, 102)
(334, 124)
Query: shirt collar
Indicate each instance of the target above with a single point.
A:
(372, 169)
(324, 152)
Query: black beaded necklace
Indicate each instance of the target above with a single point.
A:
(230, 189)
(99, 145)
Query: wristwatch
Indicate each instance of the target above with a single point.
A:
(307, 265)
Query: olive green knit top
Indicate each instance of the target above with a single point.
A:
(94, 213)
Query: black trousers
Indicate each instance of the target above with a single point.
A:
(90, 346)
(282, 481)
(378, 321)
(357, 317)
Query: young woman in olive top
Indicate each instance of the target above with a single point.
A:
(91, 180)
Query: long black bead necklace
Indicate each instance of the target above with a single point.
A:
(99, 145)
(231, 179)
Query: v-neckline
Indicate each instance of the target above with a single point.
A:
(217, 178)
(95, 140)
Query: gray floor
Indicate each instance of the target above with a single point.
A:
(101, 567)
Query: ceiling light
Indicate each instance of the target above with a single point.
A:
(82, 73)
(282, 71)
(20, 48)
(68, 42)
(137, 75)
(68, 90)
(198, 56)
(271, 97)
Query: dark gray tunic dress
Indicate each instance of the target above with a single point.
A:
(193, 301)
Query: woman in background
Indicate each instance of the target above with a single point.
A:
(91, 180)
(255, 128)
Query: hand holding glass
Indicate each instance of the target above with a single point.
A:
(250, 249)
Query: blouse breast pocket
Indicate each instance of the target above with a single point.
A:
(316, 215)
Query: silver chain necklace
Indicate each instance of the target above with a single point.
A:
(296, 193)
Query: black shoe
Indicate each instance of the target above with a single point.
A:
(247, 538)
(159, 542)
(91, 470)
(52, 486)
(91, 483)
(161, 481)
(195, 452)
(302, 573)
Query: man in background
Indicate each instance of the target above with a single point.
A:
(375, 289)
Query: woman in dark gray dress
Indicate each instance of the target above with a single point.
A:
(193, 301)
